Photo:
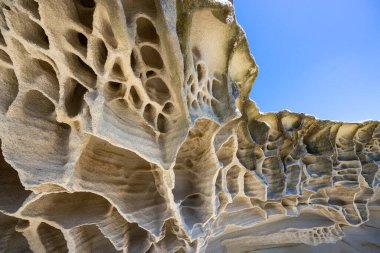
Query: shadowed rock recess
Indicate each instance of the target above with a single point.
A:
(126, 126)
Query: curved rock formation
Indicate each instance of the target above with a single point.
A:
(126, 126)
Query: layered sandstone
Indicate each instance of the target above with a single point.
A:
(126, 126)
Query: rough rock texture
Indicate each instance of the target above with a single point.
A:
(126, 126)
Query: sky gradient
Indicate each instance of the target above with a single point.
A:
(317, 57)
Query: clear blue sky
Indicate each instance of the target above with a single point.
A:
(321, 57)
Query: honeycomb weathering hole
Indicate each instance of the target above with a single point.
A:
(162, 123)
(150, 73)
(52, 76)
(114, 86)
(168, 108)
(85, 12)
(2, 41)
(133, 62)
(38, 105)
(87, 3)
(114, 90)
(217, 89)
(8, 89)
(100, 54)
(52, 238)
(82, 39)
(125, 126)
(151, 57)
(32, 7)
(149, 114)
(157, 90)
(86, 70)
(192, 88)
(108, 32)
(47, 67)
(146, 31)
(135, 98)
(36, 35)
(74, 97)
(201, 72)
(117, 71)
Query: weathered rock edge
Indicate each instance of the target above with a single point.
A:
(127, 126)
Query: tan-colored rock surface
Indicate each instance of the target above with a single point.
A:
(126, 126)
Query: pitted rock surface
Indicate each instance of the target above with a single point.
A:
(126, 126)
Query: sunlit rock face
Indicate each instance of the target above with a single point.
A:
(126, 126)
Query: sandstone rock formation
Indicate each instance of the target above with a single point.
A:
(126, 126)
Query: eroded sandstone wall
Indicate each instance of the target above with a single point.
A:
(126, 126)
